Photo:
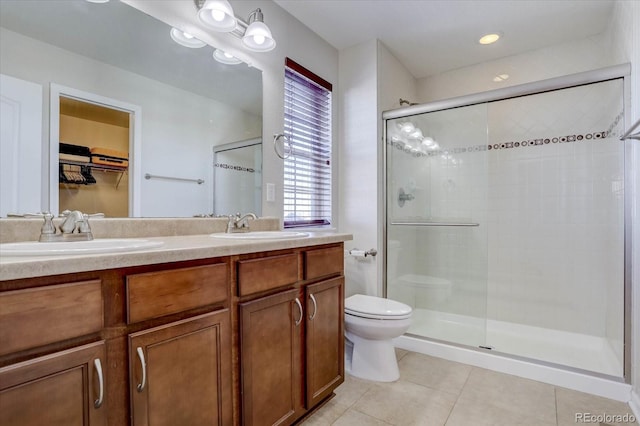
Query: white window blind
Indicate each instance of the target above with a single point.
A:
(307, 171)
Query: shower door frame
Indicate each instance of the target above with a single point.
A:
(558, 83)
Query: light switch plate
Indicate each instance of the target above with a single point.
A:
(271, 192)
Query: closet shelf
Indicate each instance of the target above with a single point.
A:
(90, 167)
(94, 166)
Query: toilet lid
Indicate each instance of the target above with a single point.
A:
(376, 307)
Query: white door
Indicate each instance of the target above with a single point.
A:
(20, 146)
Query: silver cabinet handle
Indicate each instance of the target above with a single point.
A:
(298, 321)
(98, 402)
(315, 307)
(143, 364)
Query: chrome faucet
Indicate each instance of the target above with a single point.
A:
(239, 223)
(75, 227)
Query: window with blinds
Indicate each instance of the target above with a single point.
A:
(307, 170)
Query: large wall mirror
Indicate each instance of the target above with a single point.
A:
(87, 71)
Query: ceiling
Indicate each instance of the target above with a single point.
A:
(433, 36)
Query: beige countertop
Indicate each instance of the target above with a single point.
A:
(173, 249)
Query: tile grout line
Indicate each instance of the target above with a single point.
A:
(458, 397)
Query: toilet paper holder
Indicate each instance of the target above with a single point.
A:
(362, 253)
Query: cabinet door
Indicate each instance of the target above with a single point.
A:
(180, 373)
(61, 389)
(325, 339)
(271, 357)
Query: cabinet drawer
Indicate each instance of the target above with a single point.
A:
(267, 273)
(323, 262)
(43, 315)
(157, 294)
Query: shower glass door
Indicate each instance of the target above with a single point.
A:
(556, 227)
(506, 225)
(436, 221)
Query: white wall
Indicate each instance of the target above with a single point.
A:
(179, 128)
(294, 40)
(358, 152)
(372, 80)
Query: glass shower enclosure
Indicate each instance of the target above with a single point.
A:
(505, 223)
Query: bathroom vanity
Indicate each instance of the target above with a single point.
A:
(198, 331)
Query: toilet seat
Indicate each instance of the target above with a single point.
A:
(364, 306)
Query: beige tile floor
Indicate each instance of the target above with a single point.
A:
(434, 391)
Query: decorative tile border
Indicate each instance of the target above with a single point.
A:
(546, 141)
(232, 167)
(508, 145)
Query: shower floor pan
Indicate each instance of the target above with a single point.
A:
(575, 350)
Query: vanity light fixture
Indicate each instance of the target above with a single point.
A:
(185, 39)
(489, 38)
(218, 15)
(258, 36)
(225, 58)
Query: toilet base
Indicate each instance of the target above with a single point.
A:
(371, 359)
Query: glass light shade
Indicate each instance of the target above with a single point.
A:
(225, 58)
(258, 38)
(218, 15)
(416, 134)
(427, 141)
(407, 127)
(186, 39)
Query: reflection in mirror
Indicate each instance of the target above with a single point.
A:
(237, 177)
(189, 103)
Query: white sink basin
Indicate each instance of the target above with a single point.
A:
(100, 245)
(261, 235)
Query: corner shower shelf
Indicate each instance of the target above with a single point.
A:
(435, 223)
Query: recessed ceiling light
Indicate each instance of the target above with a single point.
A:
(500, 77)
(489, 38)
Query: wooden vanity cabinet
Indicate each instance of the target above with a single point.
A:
(254, 339)
(324, 327)
(61, 389)
(292, 339)
(180, 372)
(271, 359)
(67, 384)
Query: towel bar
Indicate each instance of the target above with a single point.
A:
(150, 176)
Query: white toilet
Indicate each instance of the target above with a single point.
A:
(370, 324)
